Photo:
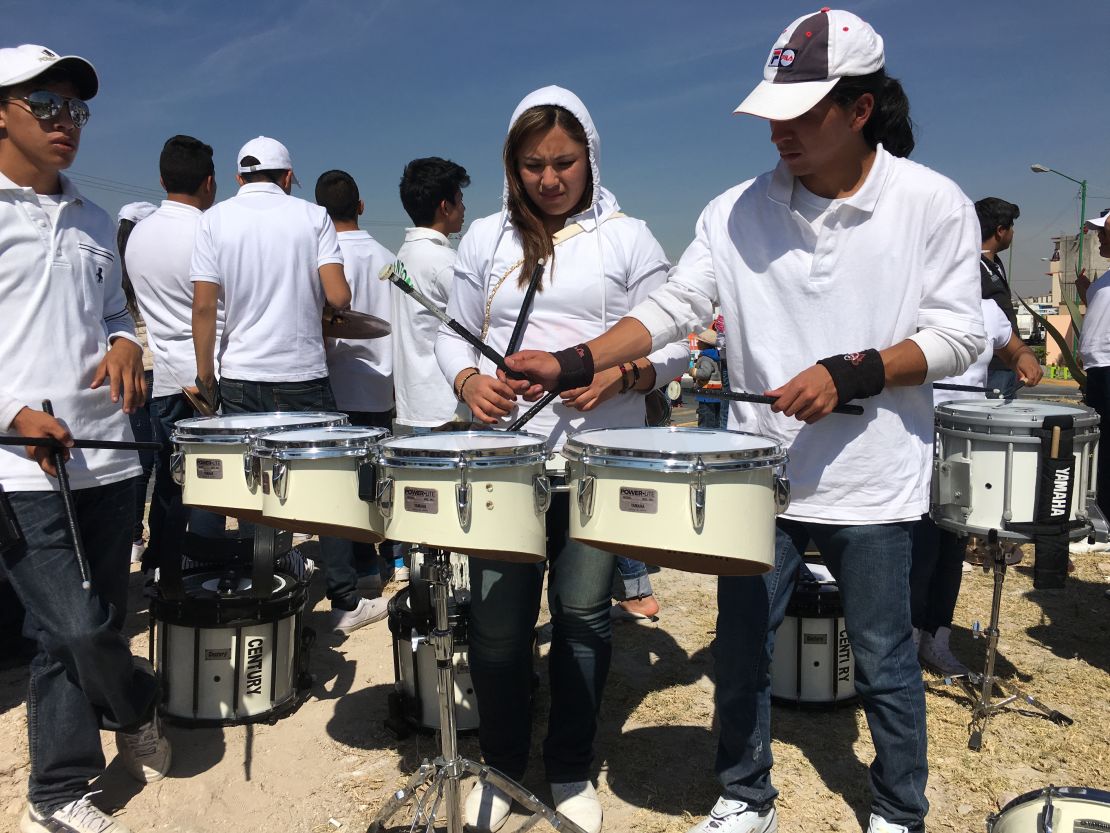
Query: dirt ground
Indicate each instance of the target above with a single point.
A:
(332, 763)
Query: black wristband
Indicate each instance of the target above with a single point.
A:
(576, 367)
(856, 375)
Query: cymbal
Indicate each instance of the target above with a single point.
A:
(350, 324)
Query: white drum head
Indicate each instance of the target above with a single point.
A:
(1017, 412)
(328, 435)
(449, 447)
(253, 424)
(715, 448)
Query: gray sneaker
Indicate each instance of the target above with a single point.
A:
(79, 816)
(368, 610)
(145, 754)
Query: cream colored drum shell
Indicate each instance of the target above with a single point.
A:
(321, 497)
(215, 480)
(505, 523)
(738, 536)
(1070, 805)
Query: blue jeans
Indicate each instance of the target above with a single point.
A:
(630, 580)
(709, 414)
(1003, 380)
(1097, 396)
(243, 397)
(504, 606)
(871, 565)
(143, 429)
(936, 575)
(83, 678)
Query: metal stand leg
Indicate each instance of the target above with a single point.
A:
(439, 782)
(981, 687)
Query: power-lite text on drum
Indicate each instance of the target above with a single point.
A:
(226, 655)
(813, 664)
(1054, 810)
(695, 499)
(1022, 468)
(322, 481)
(484, 493)
(213, 461)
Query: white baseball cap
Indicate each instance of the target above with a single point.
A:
(271, 154)
(136, 211)
(809, 57)
(1099, 221)
(22, 63)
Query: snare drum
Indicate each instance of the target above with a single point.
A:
(987, 457)
(813, 664)
(1059, 809)
(213, 461)
(225, 656)
(483, 493)
(322, 481)
(702, 500)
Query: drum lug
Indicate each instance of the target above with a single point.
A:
(177, 467)
(252, 470)
(541, 488)
(586, 489)
(279, 479)
(697, 496)
(782, 493)
(385, 496)
(462, 496)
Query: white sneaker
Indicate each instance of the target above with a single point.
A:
(368, 610)
(577, 802)
(78, 816)
(729, 816)
(137, 550)
(935, 653)
(487, 808)
(401, 574)
(146, 754)
(880, 825)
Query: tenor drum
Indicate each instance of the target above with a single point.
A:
(1056, 809)
(993, 467)
(812, 664)
(226, 656)
(483, 493)
(322, 481)
(213, 463)
(702, 500)
(416, 700)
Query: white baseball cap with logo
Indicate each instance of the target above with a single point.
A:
(29, 61)
(809, 57)
(271, 154)
(1098, 222)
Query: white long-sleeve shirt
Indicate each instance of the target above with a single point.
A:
(63, 304)
(897, 260)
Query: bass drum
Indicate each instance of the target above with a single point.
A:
(415, 702)
(1056, 809)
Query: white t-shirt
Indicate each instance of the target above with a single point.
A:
(265, 248)
(1094, 340)
(159, 252)
(62, 303)
(999, 331)
(424, 395)
(898, 259)
(361, 369)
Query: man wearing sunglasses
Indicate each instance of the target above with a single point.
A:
(68, 338)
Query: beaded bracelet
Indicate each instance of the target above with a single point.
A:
(462, 384)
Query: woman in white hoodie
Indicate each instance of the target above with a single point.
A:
(598, 264)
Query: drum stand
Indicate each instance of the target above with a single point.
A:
(439, 781)
(980, 687)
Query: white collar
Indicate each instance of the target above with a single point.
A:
(425, 233)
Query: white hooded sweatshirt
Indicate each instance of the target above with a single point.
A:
(597, 277)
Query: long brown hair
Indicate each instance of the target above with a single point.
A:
(526, 218)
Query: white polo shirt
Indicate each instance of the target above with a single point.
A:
(1094, 340)
(361, 370)
(63, 303)
(159, 253)
(424, 395)
(264, 249)
(999, 331)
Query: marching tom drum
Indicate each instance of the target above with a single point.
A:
(483, 493)
(695, 499)
(213, 463)
(322, 481)
(994, 467)
(1056, 809)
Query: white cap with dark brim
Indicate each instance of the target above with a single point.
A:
(29, 61)
(809, 57)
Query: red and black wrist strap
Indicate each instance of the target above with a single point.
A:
(576, 367)
(856, 375)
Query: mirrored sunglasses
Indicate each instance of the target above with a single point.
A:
(46, 105)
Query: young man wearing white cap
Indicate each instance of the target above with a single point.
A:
(802, 264)
(1094, 349)
(59, 275)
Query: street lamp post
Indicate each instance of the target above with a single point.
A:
(1082, 183)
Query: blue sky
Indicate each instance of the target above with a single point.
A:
(365, 86)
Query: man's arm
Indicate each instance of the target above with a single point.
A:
(336, 289)
(206, 296)
(1020, 359)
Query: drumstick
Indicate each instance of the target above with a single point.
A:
(992, 393)
(518, 329)
(388, 273)
(531, 412)
(739, 396)
(71, 508)
(1055, 451)
(50, 442)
